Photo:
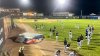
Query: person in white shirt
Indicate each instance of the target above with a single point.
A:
(72, 53)
(57, 53)
(88, 39)
(70, 35)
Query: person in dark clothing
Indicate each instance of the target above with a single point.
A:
(65, 44)
(68, 45)
(79, 42)
(51, 33)
(57, 34)
(50, 30)
(86, 33)
(55, 27)
(65, 41)
(58, 53)
(21, 51)
(92, 28)
(81, 38)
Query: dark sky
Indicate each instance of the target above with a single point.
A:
(45, 6)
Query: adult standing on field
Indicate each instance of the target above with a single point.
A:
(65, 44)
(79, 42)
(51, 32)
(91, 30)
(70, 35)
(88, 39)
(57, 34)
(86, 33)
(81, 38)
(55, 27)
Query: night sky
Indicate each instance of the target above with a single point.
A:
(46, 6)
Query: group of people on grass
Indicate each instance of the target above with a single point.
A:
(54, 32)
(39, 27)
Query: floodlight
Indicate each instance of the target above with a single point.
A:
(24, 3)
(62, 4)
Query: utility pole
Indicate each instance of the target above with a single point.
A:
(81, 13)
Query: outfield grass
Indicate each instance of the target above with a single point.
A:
(92, 50)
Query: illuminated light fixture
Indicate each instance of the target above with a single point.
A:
(24, 3)
(61, 2)
(62, 5)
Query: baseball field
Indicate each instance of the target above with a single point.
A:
(64, 26)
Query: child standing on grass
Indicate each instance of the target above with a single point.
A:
(70, 35)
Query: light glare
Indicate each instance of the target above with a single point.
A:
(62, 5)
(24, 3)
(61, 2)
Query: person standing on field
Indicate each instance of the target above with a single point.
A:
(91, 30)
(65, 44)
(79, 42)
(70, 35)
(51, 32)
(88, 39)
(81, 38)
(55, 27)
(86, 33)
(57, 34)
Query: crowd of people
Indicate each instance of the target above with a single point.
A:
(53, 32)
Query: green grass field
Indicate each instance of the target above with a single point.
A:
(92, 50)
